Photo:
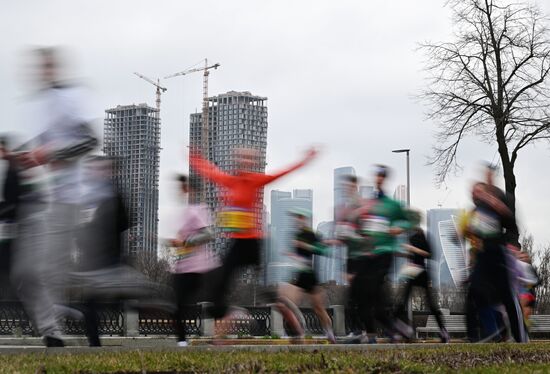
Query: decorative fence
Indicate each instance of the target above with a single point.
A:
(313, 325)
(156, 322)
(14, 320)
(114, 321)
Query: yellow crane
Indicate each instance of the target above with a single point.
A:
(204, 127)
(160, 89)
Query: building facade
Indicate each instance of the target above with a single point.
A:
(282, 231)
(339, 195)
(331, 267)
(132, 138)
(366, 192)
(450, 256)
(235, 120)
(400, 194)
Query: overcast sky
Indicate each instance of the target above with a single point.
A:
(338, 73)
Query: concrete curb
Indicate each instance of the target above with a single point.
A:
(142, 341)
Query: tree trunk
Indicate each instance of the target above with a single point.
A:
(509, 176)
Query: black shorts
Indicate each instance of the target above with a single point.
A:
(243, 252)
(306, 280)
(352, 265)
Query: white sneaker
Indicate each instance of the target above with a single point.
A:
(182, 343)
(331, 338)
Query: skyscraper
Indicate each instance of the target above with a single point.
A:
(400, 193)
(449, 250)
(366, 192)
(282, 229)
(339, 192)
(236, 119)
(331, 267)
(132, 137)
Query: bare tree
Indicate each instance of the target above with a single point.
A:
(153, 267)
(491, 81)
(542, 291)
(540, 259)
(528, 244)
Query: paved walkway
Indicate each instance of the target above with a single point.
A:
(77, 344)
(7, 349)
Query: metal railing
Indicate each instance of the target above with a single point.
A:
(249, 321)
(157, 322)
(14, 320)
(313, 324)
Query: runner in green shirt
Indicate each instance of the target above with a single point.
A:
(381, 220)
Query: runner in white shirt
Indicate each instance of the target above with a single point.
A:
(64, 137)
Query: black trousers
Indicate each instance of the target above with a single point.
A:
(242, 253)
(370, 294)
(422, 280)
(91, 321)
(5, 262)
(490, 284)
(186, 287)
(352, 309)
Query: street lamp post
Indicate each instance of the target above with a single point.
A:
(407, 151)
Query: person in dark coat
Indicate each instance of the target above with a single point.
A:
(8, 208)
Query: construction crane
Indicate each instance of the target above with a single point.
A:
(204, 126)
(206, 72)
(156, 84)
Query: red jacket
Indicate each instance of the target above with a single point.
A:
(241, 191)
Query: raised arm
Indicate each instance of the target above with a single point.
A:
(310, 155)
(208, 170)
(84, 141)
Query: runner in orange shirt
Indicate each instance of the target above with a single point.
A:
(238, 216)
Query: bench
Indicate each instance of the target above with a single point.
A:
(454, 323)
(539, 323)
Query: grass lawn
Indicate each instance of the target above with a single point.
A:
(497, 358)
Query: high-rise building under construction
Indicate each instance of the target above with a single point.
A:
(235, 120)
(132, 138)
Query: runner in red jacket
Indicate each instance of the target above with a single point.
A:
(238, 216)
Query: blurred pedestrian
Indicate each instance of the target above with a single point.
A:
(10, 192)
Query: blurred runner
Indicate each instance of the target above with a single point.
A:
(381, 220)
(192, 259)
(64, 136)
(104, 274)
(347, 233)
(491, 281)
(306, 244)
(416, 274)
(237, 216)
(526, 280)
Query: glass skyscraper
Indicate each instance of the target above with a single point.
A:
(449, 250)
(282, 230)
